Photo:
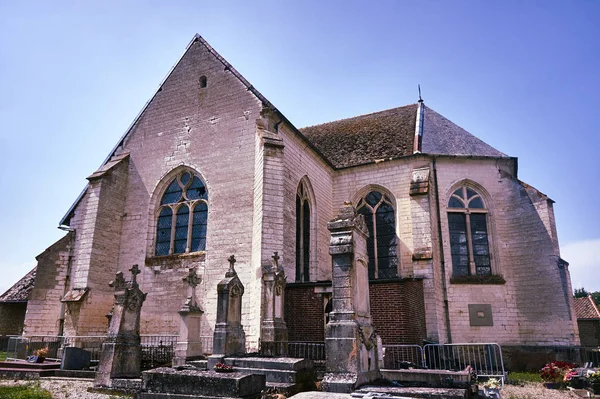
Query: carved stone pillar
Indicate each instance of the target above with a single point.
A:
(350, 339)
(122, 353)
(229, 337)
(273, 330)
(189, 345)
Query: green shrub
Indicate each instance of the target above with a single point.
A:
(24, 392)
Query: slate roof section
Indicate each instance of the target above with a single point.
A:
(367, 138)
(585, 308)
(390, 134)
(443, 137)
(20, 291)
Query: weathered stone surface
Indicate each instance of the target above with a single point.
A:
(206, 383)
(75, 359)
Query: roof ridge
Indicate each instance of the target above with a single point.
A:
(357, 116)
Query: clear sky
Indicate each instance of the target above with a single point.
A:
(524, 76)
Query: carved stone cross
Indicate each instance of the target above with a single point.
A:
(276, 258)
(231, 272)
(135, 270)
(192, 278)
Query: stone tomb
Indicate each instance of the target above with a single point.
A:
(121, 355)
(273, 331)
(350, 339)
(189, 346)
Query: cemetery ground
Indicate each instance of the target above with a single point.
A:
(522, 386)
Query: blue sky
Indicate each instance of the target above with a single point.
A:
(522, 76)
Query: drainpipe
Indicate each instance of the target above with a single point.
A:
(61, 320)
(442, 259)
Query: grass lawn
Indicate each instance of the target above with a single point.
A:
(521, 377)
(24, 392)
(2, 356)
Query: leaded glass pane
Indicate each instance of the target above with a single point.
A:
(455, 203)
(470, 193)
(306, 239)
(366, 211)
(373, 198)
(199, 222)
(196, 190)
(163, 231)
(181, 229)
(172, 194)
(476, 203)
(298, 243)
(459, 193)
(185, 178)
(481, 250)
(458, 244)
(386, 242)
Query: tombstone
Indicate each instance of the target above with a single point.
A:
(229, 337)
(189, 345)
(121, 354)
(273, 331)
(350, 339)
(75, 359)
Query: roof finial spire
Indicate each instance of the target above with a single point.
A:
(420, 99)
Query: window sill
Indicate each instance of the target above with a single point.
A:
(493, 279)
(174, 261)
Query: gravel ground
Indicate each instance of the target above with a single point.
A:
(535, 391)
(62, 388)
(78, 389)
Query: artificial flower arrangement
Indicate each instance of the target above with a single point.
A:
(592, 376)
(555, 371)
(222, 367)
(492, 383)
(42, 352)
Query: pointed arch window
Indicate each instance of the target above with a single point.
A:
(182, 216)
(302, 233)
(382, 244)
(468, 225)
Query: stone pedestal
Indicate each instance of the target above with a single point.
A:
(351, 342)
(189, 345)
(273, 330)
(229, 337)
(121, 354)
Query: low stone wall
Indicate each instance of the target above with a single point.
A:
(533, 358)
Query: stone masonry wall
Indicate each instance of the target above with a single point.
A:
(212, 132)
(44, 306)
(300, 160)
(531, 307)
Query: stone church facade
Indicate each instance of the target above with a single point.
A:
(460, 250)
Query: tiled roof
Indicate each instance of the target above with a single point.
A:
(19, 292)
(585, 308)
(390, 134)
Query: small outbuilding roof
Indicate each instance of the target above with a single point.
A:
(586, 309)
(19, 292)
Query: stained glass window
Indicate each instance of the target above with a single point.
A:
(382, 245)
(469, 243)
(302, 233)
(182, 216)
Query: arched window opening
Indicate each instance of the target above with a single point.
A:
(302, 233)
(469, 244)
(202, 81)
(382, 245)
(182, 216)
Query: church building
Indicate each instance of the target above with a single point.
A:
(459, 249)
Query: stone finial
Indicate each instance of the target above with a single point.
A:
(231, 272)
(192, 279)
(135, 270)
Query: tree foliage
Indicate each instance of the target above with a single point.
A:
(582, 293)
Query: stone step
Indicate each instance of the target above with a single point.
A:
(275, 363)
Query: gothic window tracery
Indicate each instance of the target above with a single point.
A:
(382, 245)
(468, 225)
(182, 216)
